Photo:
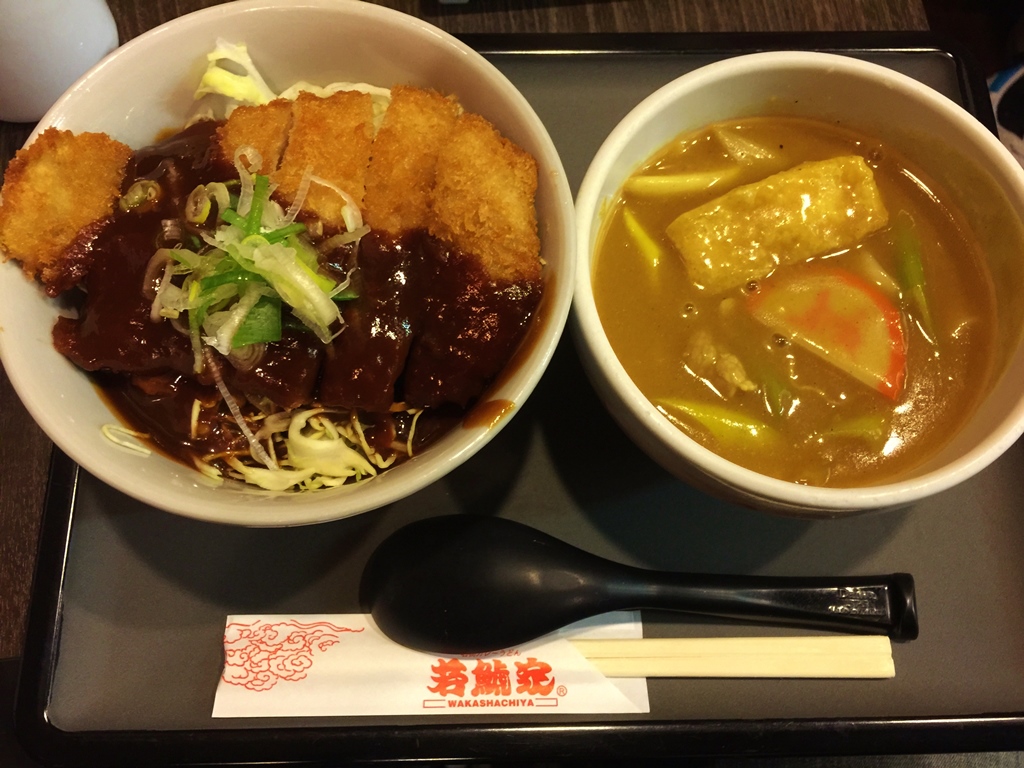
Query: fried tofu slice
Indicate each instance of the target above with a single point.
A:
(806, 211)
(53, 190)
(265, 128)
(400, 179)
(483, 200)
(332, 136)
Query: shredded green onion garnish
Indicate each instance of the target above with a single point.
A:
(254, 263)
(140, 195)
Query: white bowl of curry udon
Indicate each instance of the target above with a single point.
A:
(145, 91)
(798, 284)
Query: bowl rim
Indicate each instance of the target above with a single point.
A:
(587, 323)
(431, 466)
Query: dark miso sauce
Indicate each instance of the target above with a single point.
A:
(428, 330)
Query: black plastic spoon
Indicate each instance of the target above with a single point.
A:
(468, 584)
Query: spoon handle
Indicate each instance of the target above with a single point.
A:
(867, 604)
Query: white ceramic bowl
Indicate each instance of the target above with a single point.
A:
(146, 87)
(934, 131)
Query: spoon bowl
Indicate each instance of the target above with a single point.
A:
(470, 584)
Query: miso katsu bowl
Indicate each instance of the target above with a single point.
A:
(799, 284)
(281, 263)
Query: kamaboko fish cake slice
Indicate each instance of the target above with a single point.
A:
(842, 319)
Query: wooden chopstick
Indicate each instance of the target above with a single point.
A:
(835, 656)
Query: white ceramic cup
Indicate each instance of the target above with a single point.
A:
(45, 46)
(984, 179)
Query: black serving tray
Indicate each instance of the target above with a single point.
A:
(123, 651)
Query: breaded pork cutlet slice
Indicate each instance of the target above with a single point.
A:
(264, 128)
(400, 179)
(54, 189)
(331, 136)
(483, 200)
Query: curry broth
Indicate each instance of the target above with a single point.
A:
(823, 426)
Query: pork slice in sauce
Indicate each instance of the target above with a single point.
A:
(286, 374)
(113, 330)
(471, 326)
(364, 362)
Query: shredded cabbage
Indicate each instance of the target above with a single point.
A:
(322, 449)
(247, 88)
(122, 436)
(270, 479)
(317, 454)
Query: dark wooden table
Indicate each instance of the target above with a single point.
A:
(25, 450)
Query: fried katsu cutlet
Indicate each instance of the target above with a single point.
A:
(483, 200)
(329, 136)
(265, 128)
(54, 189)
(400, 179)
(332, 136)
